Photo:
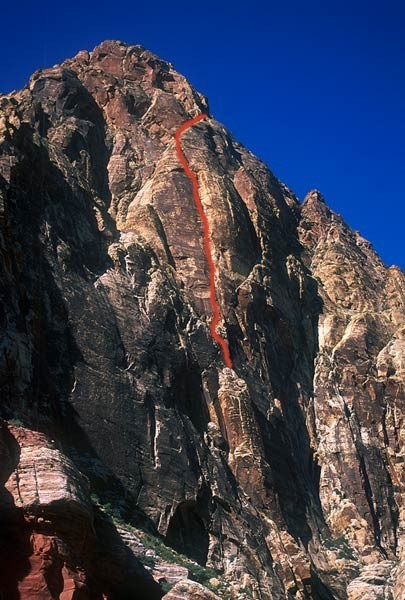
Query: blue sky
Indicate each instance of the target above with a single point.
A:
(316, 89)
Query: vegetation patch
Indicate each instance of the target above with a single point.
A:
(341, 546)
(16, 422)
(196, 572)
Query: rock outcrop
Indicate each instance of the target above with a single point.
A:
(53, 542)
(279, 478)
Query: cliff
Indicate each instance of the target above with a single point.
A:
(135, 463)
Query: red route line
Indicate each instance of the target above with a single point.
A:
(206, 231)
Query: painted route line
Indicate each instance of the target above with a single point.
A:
(206, 232)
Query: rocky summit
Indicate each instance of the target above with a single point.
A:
(134, 463)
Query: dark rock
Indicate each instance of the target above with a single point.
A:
(285, 474)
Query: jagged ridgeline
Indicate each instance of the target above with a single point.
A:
(134, 463)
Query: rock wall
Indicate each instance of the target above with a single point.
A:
(282, 475)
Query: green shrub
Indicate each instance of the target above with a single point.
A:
(166, 587)
(149, 561)
(346, 552)
(197, 573)
(247, 593)
(16, 422)
(341, 546)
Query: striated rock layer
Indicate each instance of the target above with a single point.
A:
(54, 543)
(279, 478)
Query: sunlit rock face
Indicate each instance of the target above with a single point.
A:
(281, 477)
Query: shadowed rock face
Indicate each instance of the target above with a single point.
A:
(284, 474)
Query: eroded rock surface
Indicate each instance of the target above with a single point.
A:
(285, 474)
(53, 542)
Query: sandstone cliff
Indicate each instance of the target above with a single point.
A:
(168, 472)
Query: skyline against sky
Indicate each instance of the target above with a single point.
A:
(316, 91)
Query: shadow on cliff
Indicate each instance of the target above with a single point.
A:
(38, 225)
(39, 197)
(51, 210)
(288, 359)
(284, 336)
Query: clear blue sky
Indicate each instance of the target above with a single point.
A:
(316, 89)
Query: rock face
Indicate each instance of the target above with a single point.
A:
(53, 543)
(282, 476)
